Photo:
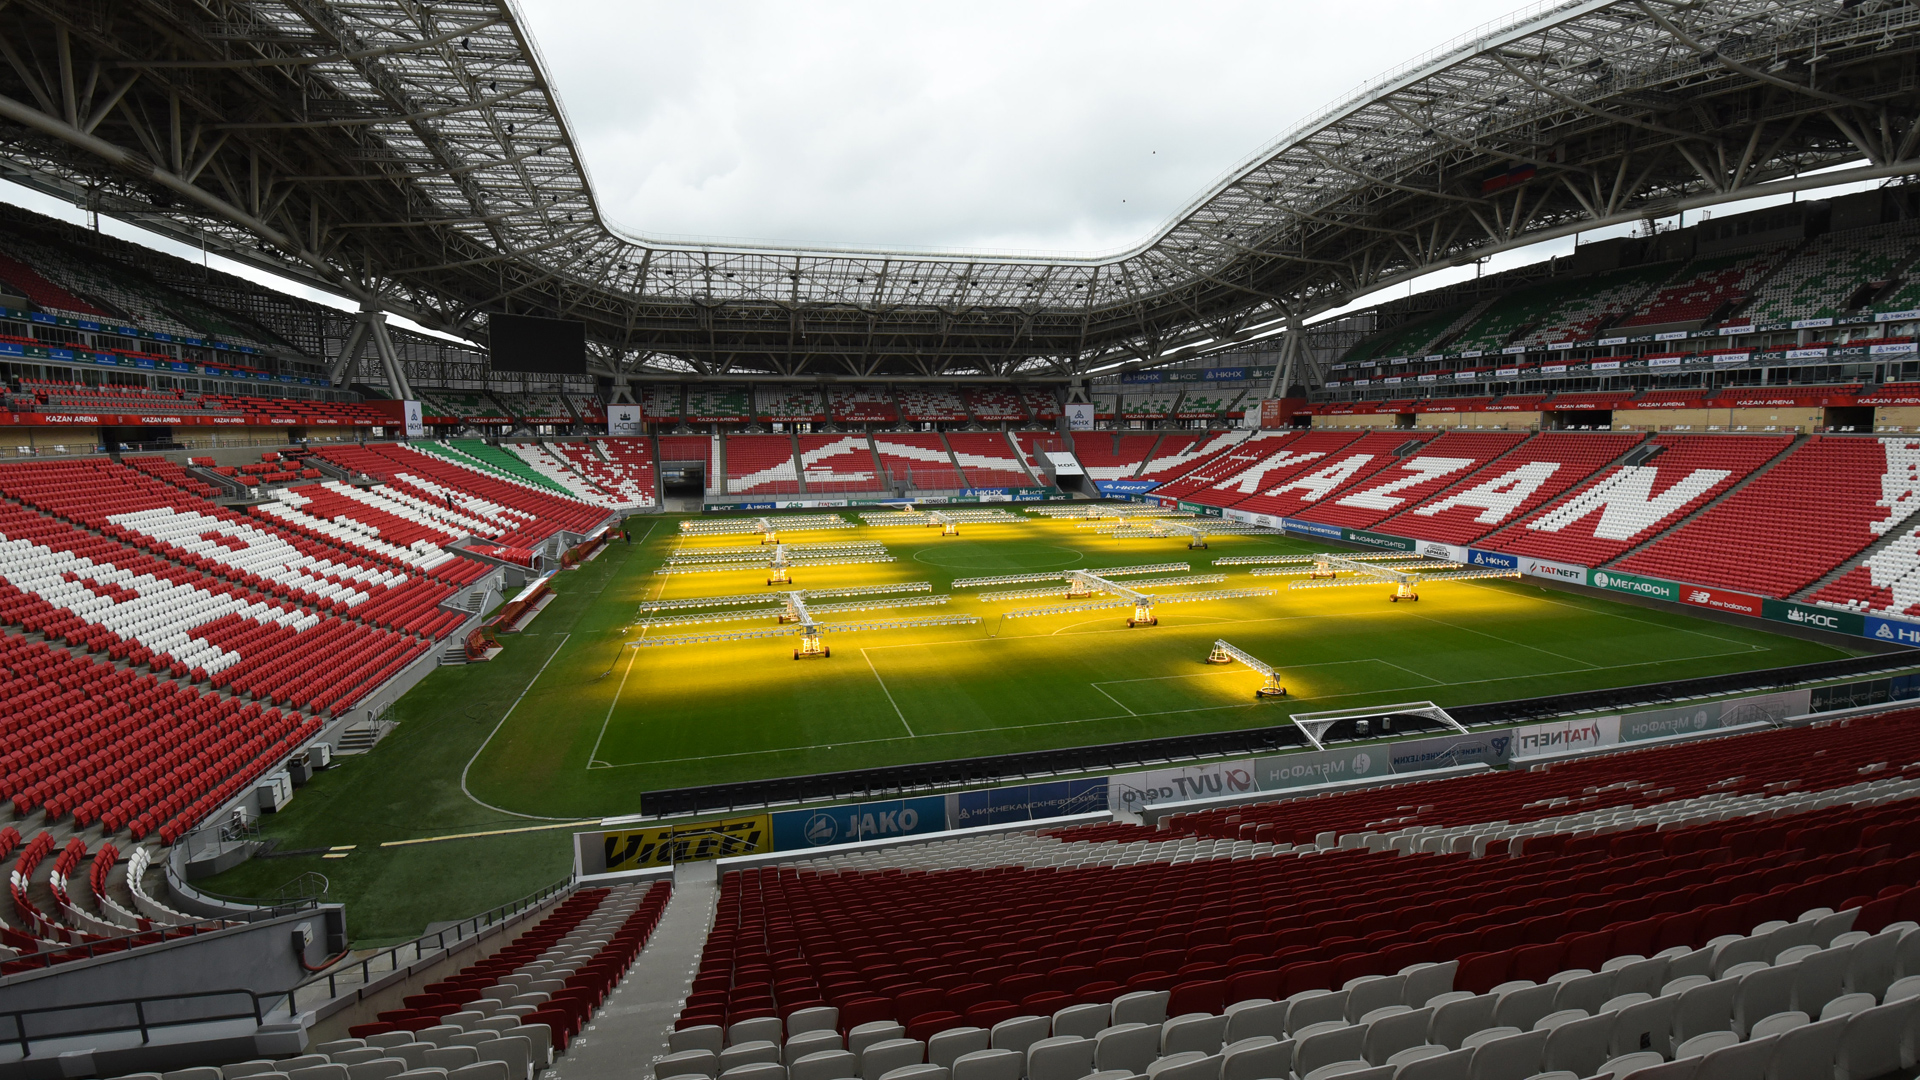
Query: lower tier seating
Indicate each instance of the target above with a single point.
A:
(1813, 510)
(1631, 504)
(1752, 886)
(553, 977)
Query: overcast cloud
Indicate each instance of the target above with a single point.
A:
(1057, 126)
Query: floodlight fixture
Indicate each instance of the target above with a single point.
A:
(1225, 652)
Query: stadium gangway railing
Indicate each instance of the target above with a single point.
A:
(364, 972)
(257, 1010)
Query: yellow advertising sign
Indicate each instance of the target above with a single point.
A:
(637, 849)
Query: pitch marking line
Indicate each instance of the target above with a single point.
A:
(468, 792)
(883, 689)
(1115, 700)
(1164, 712)
(489, 832)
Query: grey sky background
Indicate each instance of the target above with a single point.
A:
(1068, 125)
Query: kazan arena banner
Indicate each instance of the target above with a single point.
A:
(799, 829)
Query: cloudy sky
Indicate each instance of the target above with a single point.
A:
(1068, 125)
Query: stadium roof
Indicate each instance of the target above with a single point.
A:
(412, 154)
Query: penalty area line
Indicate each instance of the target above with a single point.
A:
(468, 792)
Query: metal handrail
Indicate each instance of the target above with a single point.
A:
(87, 950)
(439, 941)
(140, 1024)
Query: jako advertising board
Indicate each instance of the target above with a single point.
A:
(1128, 792)
(795, 829)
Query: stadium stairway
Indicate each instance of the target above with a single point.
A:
(636, 1020)
(1699, 511)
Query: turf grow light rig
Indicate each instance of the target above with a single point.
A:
(1092, 590)
(795, 611)
(1226, 653)
(1327, 570)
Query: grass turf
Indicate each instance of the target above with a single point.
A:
(569, 723)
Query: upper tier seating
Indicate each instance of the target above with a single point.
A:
(1810, 512)
(1157, 403)
(929, 403)
(1232, 460)
(837, 463)
(1562, 310)
(57, 397)
(993, 403)
(1630, 504)
(538, 408)
(542, 987)
(1290, 492)
(1511, 488)
(515, 514)
(659, 403)
(1264, 462)
(43, 292)
(1407, 481)
(115, 291)
(1821, 280)
(1041, 405)
(455, 406)
(1407, 339)
(779, 402)
(1589, 938)
(987, 460)
(1666, 399)
(622, 467)
(1106, 404)
(1703, 287)
(1204, 400)
(721, 403)
(1178, 454)
(552, 466)
(589, 409)
(862, 403)
(920, 458)
(1107, 456)
(761, 464)
(296, 410)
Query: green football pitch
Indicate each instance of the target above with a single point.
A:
(469, 801)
